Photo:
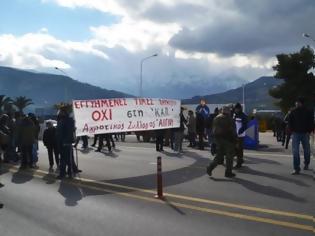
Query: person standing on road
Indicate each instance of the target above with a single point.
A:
(202, 114)
(27, 137)
(101, 142)
(224, 132)
(96, 137)
(200, 129)
(209, 125)
(179, 133)
(191, 125)
(65, 137)
(159, 140)
(241, 121)
(301, 123)
(85, 141)
(50, 142)
(35, 144)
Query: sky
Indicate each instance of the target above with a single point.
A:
(203, 46)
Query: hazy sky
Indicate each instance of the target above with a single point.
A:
(204, 46)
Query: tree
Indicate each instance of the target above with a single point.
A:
(4, 103)
(296, 71)
(22, 102)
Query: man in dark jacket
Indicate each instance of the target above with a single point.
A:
(241, 121)
(65, 138)
(50, 141)
(301, 122)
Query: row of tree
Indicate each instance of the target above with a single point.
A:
(9, 105)
(296, 70)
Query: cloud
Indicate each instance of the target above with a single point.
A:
(256, 27)
(40, 50)
(204, 46)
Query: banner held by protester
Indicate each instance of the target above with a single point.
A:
(124, 115)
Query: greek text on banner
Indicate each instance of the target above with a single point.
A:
(124, 115)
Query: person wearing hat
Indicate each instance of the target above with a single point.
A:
(301, 124)
(241, 121)
(224, 133)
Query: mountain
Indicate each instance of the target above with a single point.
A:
(48, 89)
(256, 95)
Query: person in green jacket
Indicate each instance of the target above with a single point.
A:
(225, 137)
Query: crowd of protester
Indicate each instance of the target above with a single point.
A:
(223, 131)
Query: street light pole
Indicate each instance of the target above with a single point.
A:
(141, 68)
(65, 87)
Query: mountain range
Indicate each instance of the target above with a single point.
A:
(48, 89)
(256, 95)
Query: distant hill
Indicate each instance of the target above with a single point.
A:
(256, 95)
(48, 89)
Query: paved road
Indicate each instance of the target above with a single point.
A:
(114, 196)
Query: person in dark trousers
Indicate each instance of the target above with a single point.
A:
(241, 121)
(96, 137)
(112, 140)
(101, 142)
(85, 141)
(65, 138)
(202, 114)
(35, 144)
(159, 140)
(50, 142)
(209, 125)
(224, 133)
(287, 131)
(191, 125)
(200, 129)
(27, 137)
(301, 123)
(179, 133)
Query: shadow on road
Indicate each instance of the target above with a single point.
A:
(22, 176)
(262, 189)
(71, 193)
(248, 170)
(254, 160)
(170, 178)
(268, 190)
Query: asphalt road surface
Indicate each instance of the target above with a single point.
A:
(114, 195)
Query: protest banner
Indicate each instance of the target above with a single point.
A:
(117, 115)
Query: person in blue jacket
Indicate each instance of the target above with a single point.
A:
(202, 115)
